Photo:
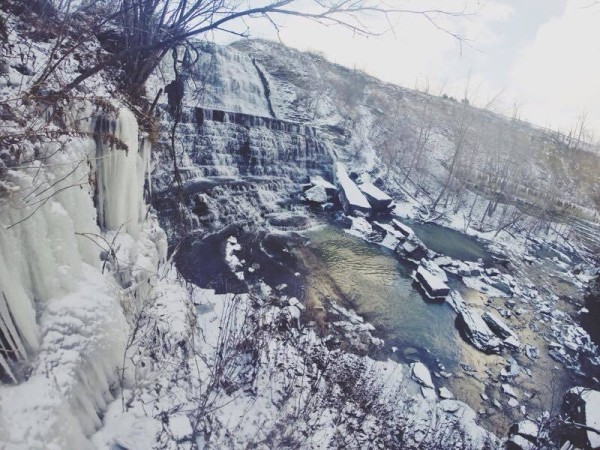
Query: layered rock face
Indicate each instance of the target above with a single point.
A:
(221, 143)
(238, 163)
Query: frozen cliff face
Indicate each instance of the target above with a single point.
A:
(61, 311)
(120, 172)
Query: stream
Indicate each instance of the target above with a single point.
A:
(326, 262)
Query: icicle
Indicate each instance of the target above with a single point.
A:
(8, 329)
(120, 175)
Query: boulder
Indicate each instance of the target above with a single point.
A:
(525, 428)
(477, 331)
(433, 285)
(351, 197)
(518, 442)
(321, 182)
(434, 269)
(316, 194)
(497, 325)
(387, 229)
(446, 394)
(404, 229)
(413, 249)
(421, 375)
(378, 199)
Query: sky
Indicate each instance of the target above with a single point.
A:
(539, 57)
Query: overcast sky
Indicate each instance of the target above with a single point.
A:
(542, 54)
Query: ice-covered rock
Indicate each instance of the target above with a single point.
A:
(316, 194)
(525, 428)
(351, 197)
(433, 285)
(378, 199)
(404, 229)
(445, 393)
(518, 442)
(477, 331)
(413, 249)
(434, 269)
(508, 390)
(318, 180)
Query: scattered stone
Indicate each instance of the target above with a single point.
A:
(525, 428)
(497, 325)
(531, 352)
(513, 403)
(512, 343)
(507, 389)
(450, 406)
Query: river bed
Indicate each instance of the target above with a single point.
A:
(371, 280)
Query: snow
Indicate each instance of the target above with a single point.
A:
(373, 191)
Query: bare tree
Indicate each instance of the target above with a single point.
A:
(150, 28)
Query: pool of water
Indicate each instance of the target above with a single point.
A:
(449, 242)
(379, 287)
(371, 280)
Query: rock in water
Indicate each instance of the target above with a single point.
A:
(420, 374)
(404, 229)
(434, 286)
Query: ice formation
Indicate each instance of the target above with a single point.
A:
(60, 311)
